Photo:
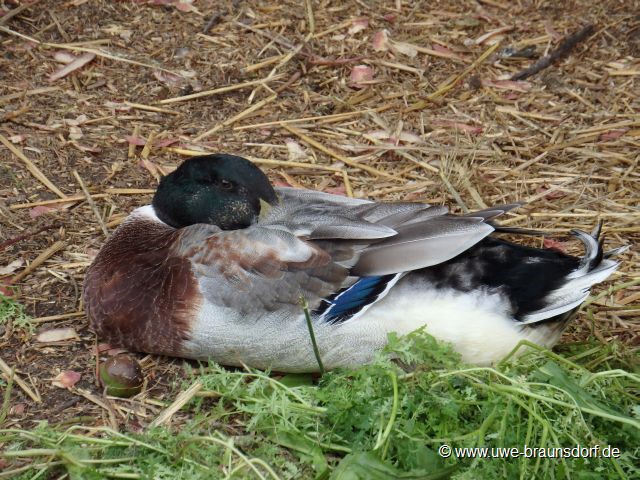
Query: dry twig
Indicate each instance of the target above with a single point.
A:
(561, 51)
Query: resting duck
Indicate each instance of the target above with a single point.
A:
(215, 268)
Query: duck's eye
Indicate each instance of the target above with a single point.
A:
(226, 184)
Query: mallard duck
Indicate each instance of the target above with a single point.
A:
(215, 268)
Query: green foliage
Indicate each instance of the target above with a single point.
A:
(384, 420)
(12, 311)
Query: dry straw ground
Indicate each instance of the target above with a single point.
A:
(320, 96)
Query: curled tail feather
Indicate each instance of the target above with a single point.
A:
(594, 267)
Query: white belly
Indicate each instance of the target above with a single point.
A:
(478, 326)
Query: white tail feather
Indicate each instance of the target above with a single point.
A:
(573, 292)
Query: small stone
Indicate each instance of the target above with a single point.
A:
(122, 376)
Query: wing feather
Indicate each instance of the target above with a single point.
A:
(260, 268)
(423, 244)
(314, 244)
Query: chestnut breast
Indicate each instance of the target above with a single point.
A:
(138, 293)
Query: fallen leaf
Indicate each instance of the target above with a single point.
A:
(492, 34)
(105, 348)
(380, 41)
(66, 379)
(64, 57)
(85, 148)
(151, 167)
(116, 167)
(121, 107)
(181, 5)
(27, 46)
(169, 79)
(79, 62)
(185, 6)
(418, 195)
(126, 35)
(165, 142)
(404, 48)
(296, 153)
(92, 253)
(188, 73)
(359, 74)
(517, 85)
(12, 267)
(75, 133)
(358, 24)
(57, 335)
(551, 244)
(472, 129)
(35, 212)
(281, 183)
(341, 190)
(390, 17)
(483, 15)
(112, 352)
(554, 195)
(134, 140)
(182, 52)
(47, 128)
(444, 52)
(6, 288)
(404, 136)
(18, 409)
(101, 348)
(612, 134)
(76, 122)
(17, 138)
(555, 36)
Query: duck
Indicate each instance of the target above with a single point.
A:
(216, 266)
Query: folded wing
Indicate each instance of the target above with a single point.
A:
(313, 244)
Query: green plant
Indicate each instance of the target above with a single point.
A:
(12, 311)
(383, 420)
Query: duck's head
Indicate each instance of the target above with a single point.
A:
(220, 189)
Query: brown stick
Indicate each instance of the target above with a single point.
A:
(35, 171)
(16, 11)
(49, 252)
(7, 372)
(289, 82)
(307, 139)
(339, 61)
(181, 400)
(235, 118)
(563, 50)
(24, 236)
(91, 203)
(215, 18)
